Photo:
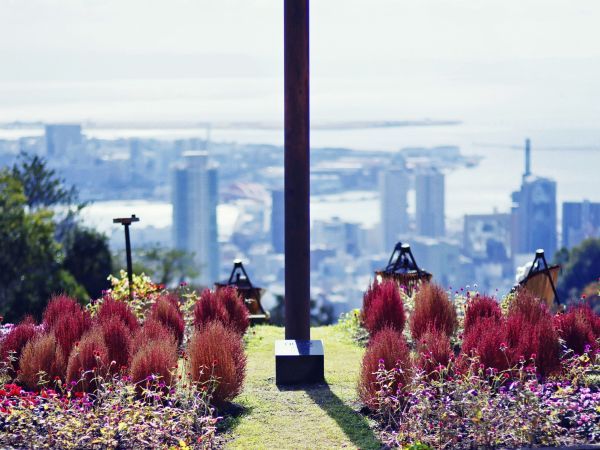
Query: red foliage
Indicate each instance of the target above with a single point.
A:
(167, 312)
(433, 310)
(154, 363)
(114, 309)
(534, 340)
(225, 306)
(383, 307)
(59, 307)
(152, 330)
(117, 338)
(532, 308)
(15, 341)
(487, 338)
(41, 354)
(69, 329)
(88, 360)
(480, 307)
(433, 351)
(217, 355)
(389, 348)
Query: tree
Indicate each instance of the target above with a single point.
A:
(580, 268)
(164, 265)
(89, 260)
(30, 265)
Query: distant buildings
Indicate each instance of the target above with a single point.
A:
(277, 220)
(393, 190)
(429, 186)
(534, 213)
(195, 198)
(487, 236)
(580, 220)
(62, 140)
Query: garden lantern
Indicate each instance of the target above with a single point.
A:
(541, 280)
(250, 293)
(403, 269)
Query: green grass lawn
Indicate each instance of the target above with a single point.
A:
(310, 417)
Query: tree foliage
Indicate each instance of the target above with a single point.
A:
(581, 266)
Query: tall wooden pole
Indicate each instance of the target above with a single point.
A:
(297, 180)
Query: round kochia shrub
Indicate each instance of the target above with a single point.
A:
(153, 366)
(479, 307)
(69, 329)
(14, 342)
(41, 357)
(433, 351)
(433, 310)
(88, 361)
(112, 309)
(167, 312)
(576, 328)
(217, 361)
(487, 338)
(388, 348)
(58, 307)
(152, 330)
(225, 306)
(383, 307)
(117, 338)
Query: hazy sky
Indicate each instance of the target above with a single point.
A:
(436, 56)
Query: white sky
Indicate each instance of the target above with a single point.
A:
(377, 59)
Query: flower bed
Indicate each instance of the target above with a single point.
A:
(511, 376)
(116, 375)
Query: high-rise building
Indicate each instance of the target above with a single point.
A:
(277, 220)
(393, 190)
(430, 210)
(195, 199)
(487, 236)
(534, 213)
(580, 220)
(62, 140)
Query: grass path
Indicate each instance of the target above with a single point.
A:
(310, 417)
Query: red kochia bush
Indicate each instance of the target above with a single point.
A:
(88, 360)
(167, 312)
(388, 347)
(112, 309)
(154, 359)
(68, 329)
(58, 307)
(217, 353)
(479, 307)
(117, 338)
(41, 354)
(152, 330)
(225, 306)
(534, 340)
(527, 304)
(432, 309)
(433, 351)
(15, 341)
(488, 339)
(383, 307)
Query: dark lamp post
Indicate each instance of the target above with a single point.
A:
(126, 222)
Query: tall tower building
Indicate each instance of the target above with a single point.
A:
(195, 199)
(534, 213)
(393, 190)
(277, 220)
(580, 220)
(62, 140)
(430, 208)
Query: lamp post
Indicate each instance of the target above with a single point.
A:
(126, 222)
(297, 358)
